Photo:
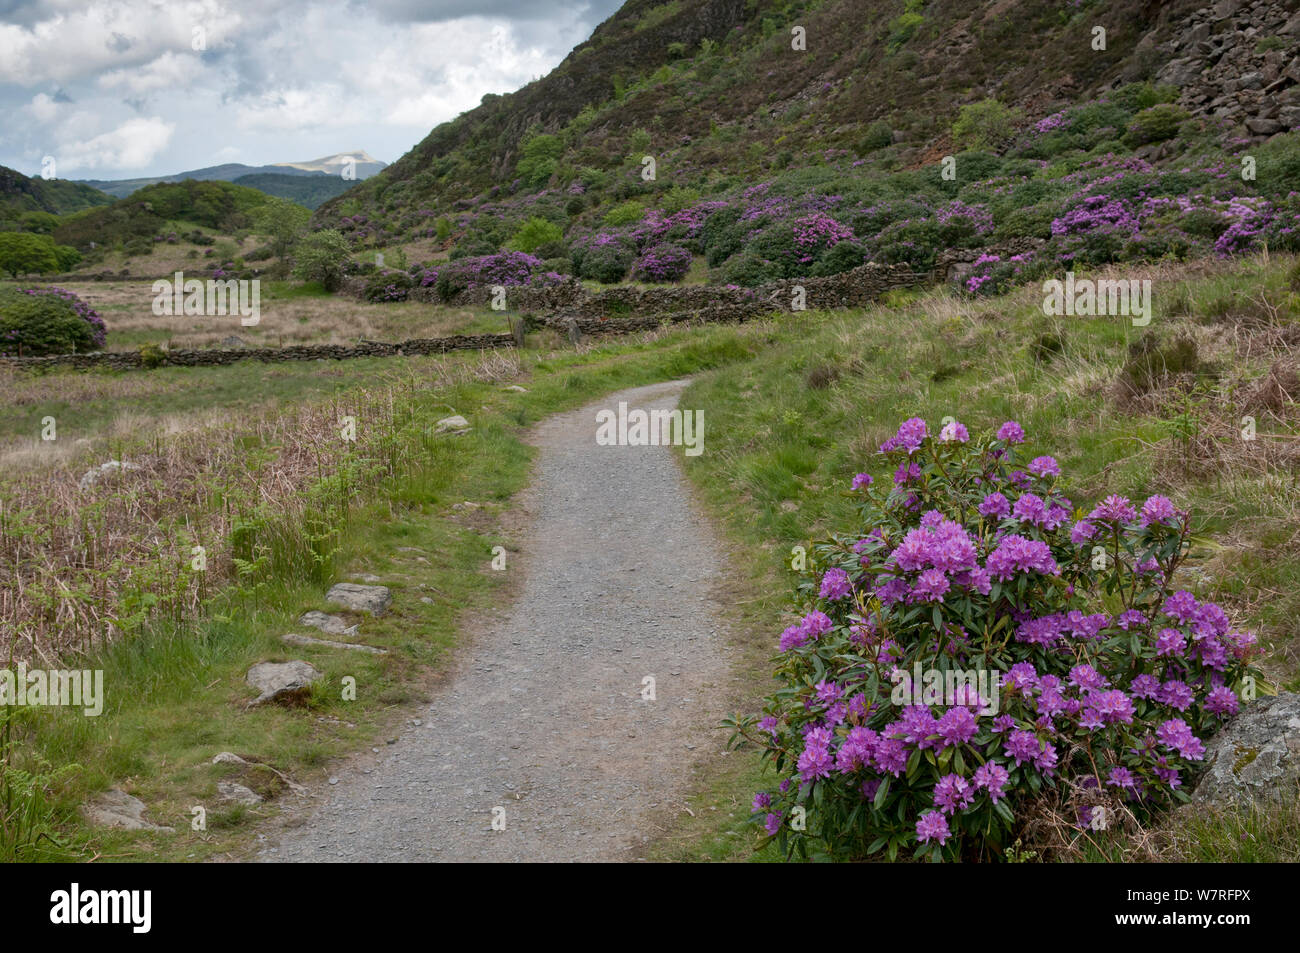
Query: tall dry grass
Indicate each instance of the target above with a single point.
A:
(267, 495)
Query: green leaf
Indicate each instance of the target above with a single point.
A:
(881, 793)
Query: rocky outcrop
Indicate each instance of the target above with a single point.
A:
(1256, 757)
(1236, 62)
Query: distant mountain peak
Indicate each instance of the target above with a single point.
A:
(332, 164)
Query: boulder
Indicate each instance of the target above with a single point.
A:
(1256, 756)
(455, 424)
(95, 474)
(228, 757)
(294, 639)
(281, 681)
(116, 808)
(329, 624)
(372, 599)
(233, 793)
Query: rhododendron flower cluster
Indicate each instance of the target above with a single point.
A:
(1108, 676)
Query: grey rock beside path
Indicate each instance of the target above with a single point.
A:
(294, 638)
(541, 715)
(281, 681)
(116, 808)
(1256, 757)
(329, 624)
(372, 599)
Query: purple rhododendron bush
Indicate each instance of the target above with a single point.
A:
(974, 652)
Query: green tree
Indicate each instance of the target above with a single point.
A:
(985, 125)
(67, 256)
(535, 233)
(321, 256)
(283, 222)
(22, 253)
(540, 153)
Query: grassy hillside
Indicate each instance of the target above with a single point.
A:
(306, 189)
(900, 132)
(27, 204)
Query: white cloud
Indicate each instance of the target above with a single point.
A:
(132, 145)
(277, 83)
(169, 71)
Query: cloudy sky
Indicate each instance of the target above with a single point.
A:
(127, 88)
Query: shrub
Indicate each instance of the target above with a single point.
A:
(625, 213)
(1069, 674)
(985, 125)
(662, 263)
(507, 269)
(151, 356)
(1155, 124)
(878, 136)
(606, 261)
(37, 321)
(322, 256)
(749, 269)
(845, 256)
(535, 233)
(537, 164)
(22, 253)
(388, 286)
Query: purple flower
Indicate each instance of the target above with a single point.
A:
(952, 793)
(911, 434)
(816, 623)
(762, 801)
(1170, 642)
(862, 480)
(1021, 745)
(992, 778)
(1017, 554)
(835, 584)
(1177, 735)
(1044, 467)
(1181, 605)
(772, 824)
(930, 586)
(1114, 509)
(1222, 701)
(1177, 694)
(828, 692)
(1082, 532)
(1122, 777)
(956, 726)
(1011, 432)
(932, 826)
(1158, 509)
(995, 506)
(954, 431)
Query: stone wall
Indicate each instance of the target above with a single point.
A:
(569, 308)
(125, 360)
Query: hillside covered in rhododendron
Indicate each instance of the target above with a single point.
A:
(803, 139)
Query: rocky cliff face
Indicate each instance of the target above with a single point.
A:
(1236, 62)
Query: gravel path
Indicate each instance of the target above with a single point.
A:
(543, 714)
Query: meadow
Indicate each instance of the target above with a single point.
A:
(247, 461)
